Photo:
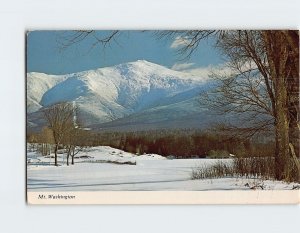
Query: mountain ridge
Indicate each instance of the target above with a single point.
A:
(111, 93)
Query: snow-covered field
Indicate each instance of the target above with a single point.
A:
(94, 170)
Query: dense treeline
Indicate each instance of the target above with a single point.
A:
(184, 143)
(179, 143)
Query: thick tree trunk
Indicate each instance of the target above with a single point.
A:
(282, 134)
(293, 106)
(292, 38)
(278, 55)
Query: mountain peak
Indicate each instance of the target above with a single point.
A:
(140, 63)
(143, 61)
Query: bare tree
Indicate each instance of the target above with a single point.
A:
(46, 139)
(70, 38)
(274, 58)
(60, 121)
(190, 39)
(78, 143)
(241, 93)
(74, 142)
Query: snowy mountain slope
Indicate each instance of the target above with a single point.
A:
(116, 92)
(37, 85)
(184, 114)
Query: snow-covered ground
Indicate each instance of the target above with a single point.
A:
(94, 171)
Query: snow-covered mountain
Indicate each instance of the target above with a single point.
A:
(135, 93)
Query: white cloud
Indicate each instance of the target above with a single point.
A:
(179, 42)
(182, 66)
(201, 72)
(206, 71)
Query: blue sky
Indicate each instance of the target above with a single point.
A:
(44, 53)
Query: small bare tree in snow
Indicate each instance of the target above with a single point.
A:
(60, 120)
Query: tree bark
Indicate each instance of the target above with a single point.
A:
(68, 154)
(73, 155)
(282, 134)
(292, 38)
(55, 154)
